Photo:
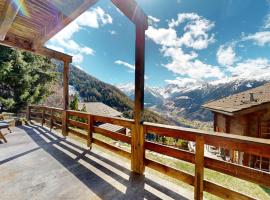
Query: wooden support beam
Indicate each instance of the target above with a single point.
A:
(6, 19)
(64, 123)
(43, 116)
(51, 118)
(199, 168)
(28, 110)
(137, 144)
(63, 19)
(19, 43)
(65, 85)
(132, 10)
(90, 131)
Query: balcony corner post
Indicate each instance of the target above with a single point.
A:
(199, 168)
(137, 139)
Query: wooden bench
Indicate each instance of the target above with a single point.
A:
(4, 125)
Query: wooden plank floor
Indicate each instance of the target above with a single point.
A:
(38, 164)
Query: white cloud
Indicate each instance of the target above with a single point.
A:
(120, 62)
(195, 36)
(226, 55)
(63, 42)
(195, 32)
(267, 22)
(56, 48)
(163, 36)
(77, 58)
(112, 32)
(153, 21)
(261, 38)
(252, 68)
(183, 82)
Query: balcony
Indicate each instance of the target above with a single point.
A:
(105, 167)
(39, 164)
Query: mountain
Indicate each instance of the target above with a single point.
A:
(152, 96)
(187, 103)
(184, 100)
(91, 89)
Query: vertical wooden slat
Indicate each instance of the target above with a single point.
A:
(64, 123)
(43, 116)
(28, 111)
(51, 119)
(199, 168)
(137, 144)
(90, 131)
(65, 85)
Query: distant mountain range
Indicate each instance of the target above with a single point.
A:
(186, 101)
(90, 89)
(173, 104)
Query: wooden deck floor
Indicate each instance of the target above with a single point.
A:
(38, 164)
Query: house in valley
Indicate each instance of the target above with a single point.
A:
(246, 113)
(101, 109)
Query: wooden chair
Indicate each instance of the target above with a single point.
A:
(3, 126)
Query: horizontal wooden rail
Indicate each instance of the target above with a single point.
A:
(238, 171)
(255, 146)
(169, 171)
(223, 192)
(77, 114)
(172, 152)
(77, 133)
(113, 135)
(246, 173)
(77, 124)
(187, 178)
(111, 148)
(114, 120)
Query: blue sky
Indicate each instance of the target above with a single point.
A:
(188, 41)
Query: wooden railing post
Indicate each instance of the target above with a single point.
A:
(138, 149)
(43, 116)
(90, 131)
(199, 168)
(51, 119)
(137, 141)
(64, 123)
(28, 113)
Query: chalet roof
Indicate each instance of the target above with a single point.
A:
(98, 108)
(255, 98)
(111, 127)
(28, 25)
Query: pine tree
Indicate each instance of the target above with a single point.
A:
(24, 78)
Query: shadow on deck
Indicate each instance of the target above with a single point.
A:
(38, 164)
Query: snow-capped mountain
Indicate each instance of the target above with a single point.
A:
(186, 100)
(152, 95)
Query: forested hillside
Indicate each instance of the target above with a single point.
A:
(92, 89)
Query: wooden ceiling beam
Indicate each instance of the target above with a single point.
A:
(63, 20)
(7, 18)
(132, 10)
(15, 42)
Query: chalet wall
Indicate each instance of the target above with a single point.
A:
(237, 125)
(221, 123)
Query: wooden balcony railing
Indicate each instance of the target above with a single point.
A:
(64, 120)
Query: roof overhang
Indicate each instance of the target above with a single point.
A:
(245, 111)
(46, 18)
